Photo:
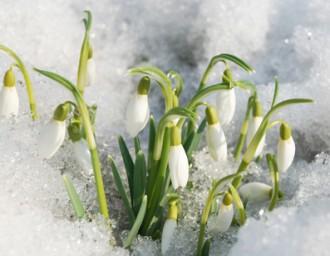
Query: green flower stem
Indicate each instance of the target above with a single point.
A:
(86, 121)
(272, 165)
(244, 129)
(29, 87)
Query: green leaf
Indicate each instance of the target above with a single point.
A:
(137, 224)
(152, 137)
(272, 165)
(137, 144)
(74, 198)
(194, 139)
(128, 162)
(206, 247)
(275, 92)
(140, 171)
(239, 204)
(121, 190)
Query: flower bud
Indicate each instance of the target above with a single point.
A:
(255, 192)
(137, 113)
(285, 149)
(254, 123)
(226, 105)
(215, 137)
(222, 221)
(53, 134)
(9, 101)
(169, 228)
(178, 161)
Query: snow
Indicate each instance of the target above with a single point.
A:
(287, 39)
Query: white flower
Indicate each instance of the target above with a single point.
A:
(255, 192)
(179, 166)
(285, 149)
(83, 156)
(51, 138)
(254, 124)
(9, 102)
(137, 114)
(91, 70)
(216, 142)
(226, 105)
(167, 235)
(222, 221)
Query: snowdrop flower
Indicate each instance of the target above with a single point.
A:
(137, 113)
(226, 101)
(80, 149)
(91, 69)
(53, 134)
(255, 192)
(285, 149)
(169, 228)
(224, 218)
(9, 101)
(215, 137)
(254, 124)
(178, 161)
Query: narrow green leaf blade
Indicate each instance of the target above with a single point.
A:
(137, 224)
(137, 144)
(194, 139)
(74, 197)
(128, 163)
(140, 171)
(120, 186)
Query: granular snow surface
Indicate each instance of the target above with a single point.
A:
(289, 39)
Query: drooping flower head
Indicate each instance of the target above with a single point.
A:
(9, 102)
(53, 134)
(169, 227)
(215, 137)
(285, 148)
(178, 161)
(137, 113)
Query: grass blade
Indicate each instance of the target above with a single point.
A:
(128, 162)
(74, 198)
(137, 224)
(121, 190)
(139, 183)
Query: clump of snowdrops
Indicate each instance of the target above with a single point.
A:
(155, 179)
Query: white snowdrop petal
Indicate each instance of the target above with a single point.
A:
(83, 156)
(226, 105)
(137, 114)
(9, 102)
(285, 154)
(255, 191)
(254, 124)
(91, 71)
(167, 235)
(51, 138)
(179, 166)
(222, 222)
(216, 142)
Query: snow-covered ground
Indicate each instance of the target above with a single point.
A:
(289, 39)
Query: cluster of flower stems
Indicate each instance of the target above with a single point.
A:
(155, 179)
